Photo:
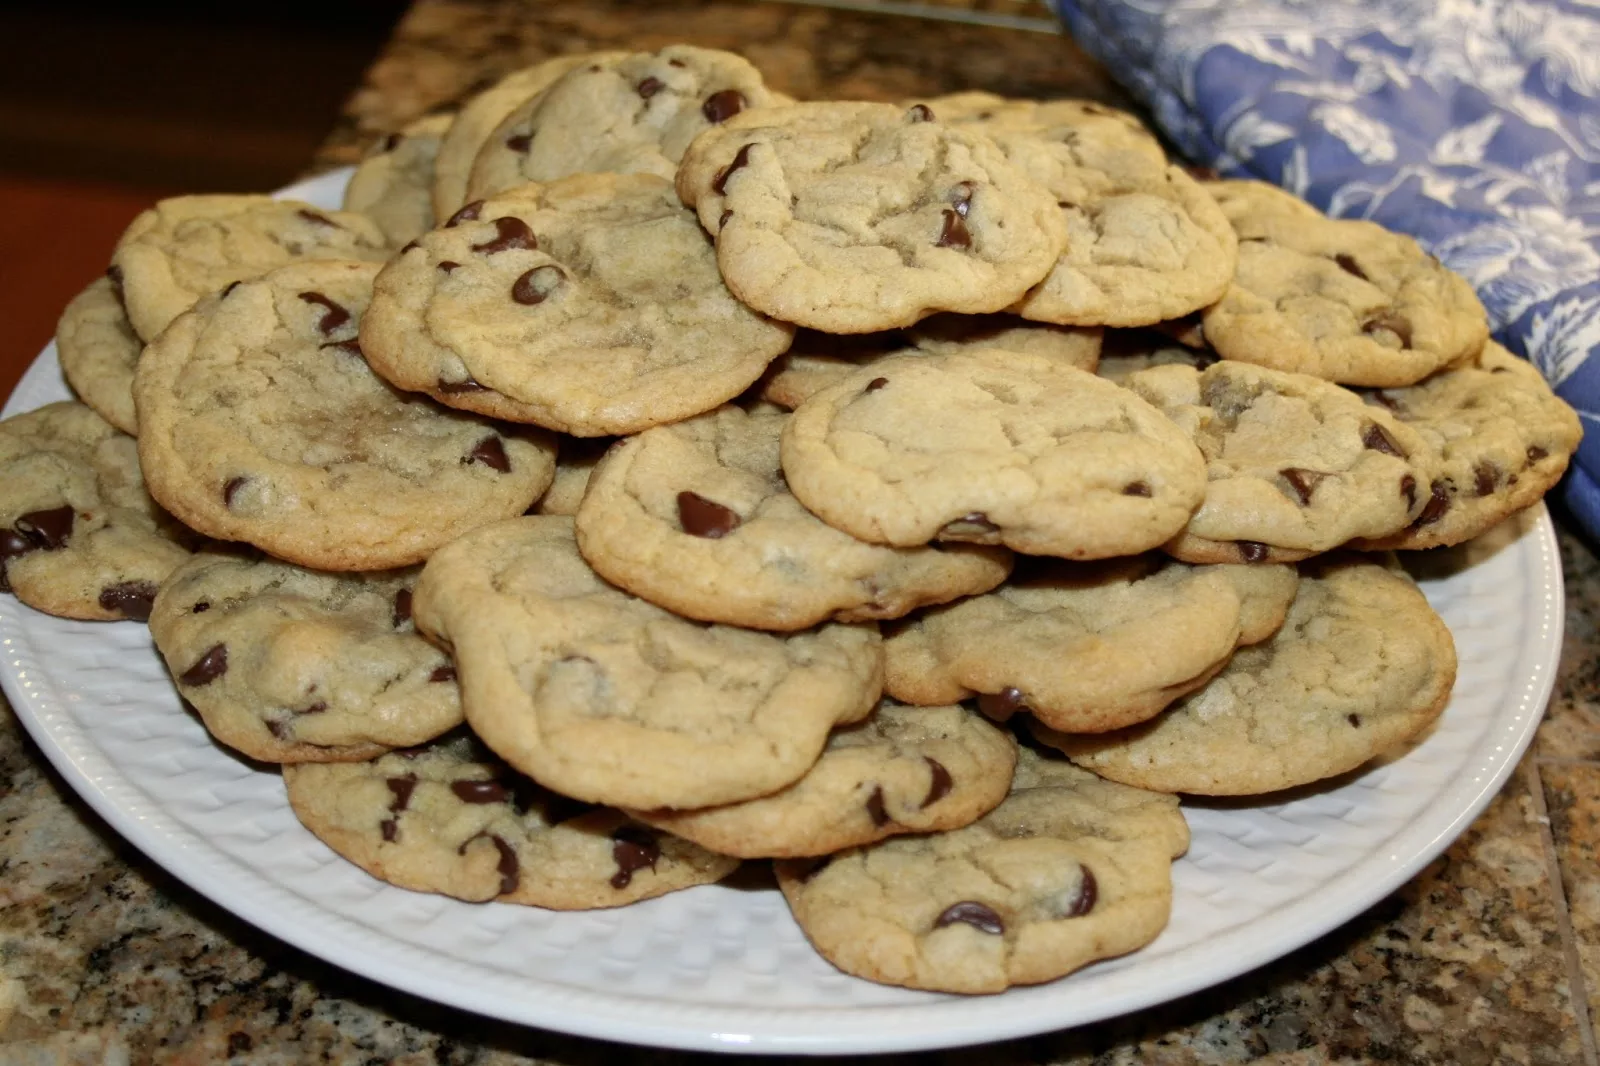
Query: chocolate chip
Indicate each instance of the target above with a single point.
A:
(701, 517)
(468, 213)
(941, 783)
(875, 808)
(676, 63)
(970, 912)
(920, 113)
(402, 608)
(317, 218)
(508, 868)
(231, 488)
(278, 729)
(1000, 706)
(510, 233)
(1354, 719)
(720, 107)
(974, 524)
(953, 234)
(451, 387)
(347, 347)
(719, 184)
(633, 848)
(1136, 488)
(519, 142)
(315, 708)
(1348, 264)
(131, 599)
(1536, 453)
(1486, 478)
(1304, 482)
(202, 607)
(491, 453)
(1377, 439)
(535, 286)
(480, 791)
(1391, 322)
(444, 673)
(1408, 489)
(1251, 551)
(400, 789)
(12, 545)
(449, 266)
(1438, 503)
(49, 529)
(875, 384)
(649, 87)
(1088, 892)
(963, 197)
(210, 666)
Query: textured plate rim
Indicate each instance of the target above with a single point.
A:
(955, 1021)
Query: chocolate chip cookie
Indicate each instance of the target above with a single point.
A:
(610, 699)
(1502, 439)
(286, 664)
(99, 350)
(393, 186)
(79, 536)
(591, 305)
(695, 517)
(1296, 465)
(1069, 869)
(1072, 642)
(190, 246)
(853, 217)
(903, 770)
(1348, 301)
(992, 447)
(623, 114)
(1362, 665)
(260, 421)
(453, 819)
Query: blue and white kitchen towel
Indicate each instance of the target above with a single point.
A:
(1473, 125)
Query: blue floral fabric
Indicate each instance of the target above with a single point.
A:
(1473, 125)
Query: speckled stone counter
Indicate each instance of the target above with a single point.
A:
(1491, 955)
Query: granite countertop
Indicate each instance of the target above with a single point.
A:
(1491, 955)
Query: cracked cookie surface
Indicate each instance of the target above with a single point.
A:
(1295, 465)
(610, 699)
(99, 352)
(393, 185)
(260, 422)
(1072, 642)
(1348, 301)
(287, 664)
(591, 305)
(1067, 870)
(453, 819)
(191, 246)
(992, 447)
(903, 770)
(853, 217)
(696, 517)
(1361, 665)
(79, 535)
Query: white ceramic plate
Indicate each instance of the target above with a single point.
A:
(726, 969)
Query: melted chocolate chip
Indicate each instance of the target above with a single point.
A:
(480, 791)
(510, 233)
(400, 789)
(449, 266)
(519, 142)
(1136, 488)
(1088, 892)
(210, 666)
(1408, 489)
(649, 87)
(131, 599)
(633, 848)
(468, 213)
(202, 607)
(402, 608)
(701, 517)
(1000, 706)
(451, 387)
(719, 184)
(508, 867)
(1348, 264)
(1354, 720)
(535, 286)
(317, 218)
(491, 453)
(973, 913)
(1251, 551)
(1438, 503)
(1397, 324)
(953, 234)
(1377, 439)
(1304, 482)
(49, 529)
(444, 673)
(1536, 453)
(940, 784)
(875, 808)
(231, 488)
(920, 113)
(875, 384)
(1486, 478)
(720, 107)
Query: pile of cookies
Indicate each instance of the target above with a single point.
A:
(646, 472)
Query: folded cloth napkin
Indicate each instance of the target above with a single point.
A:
(1473, 125)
